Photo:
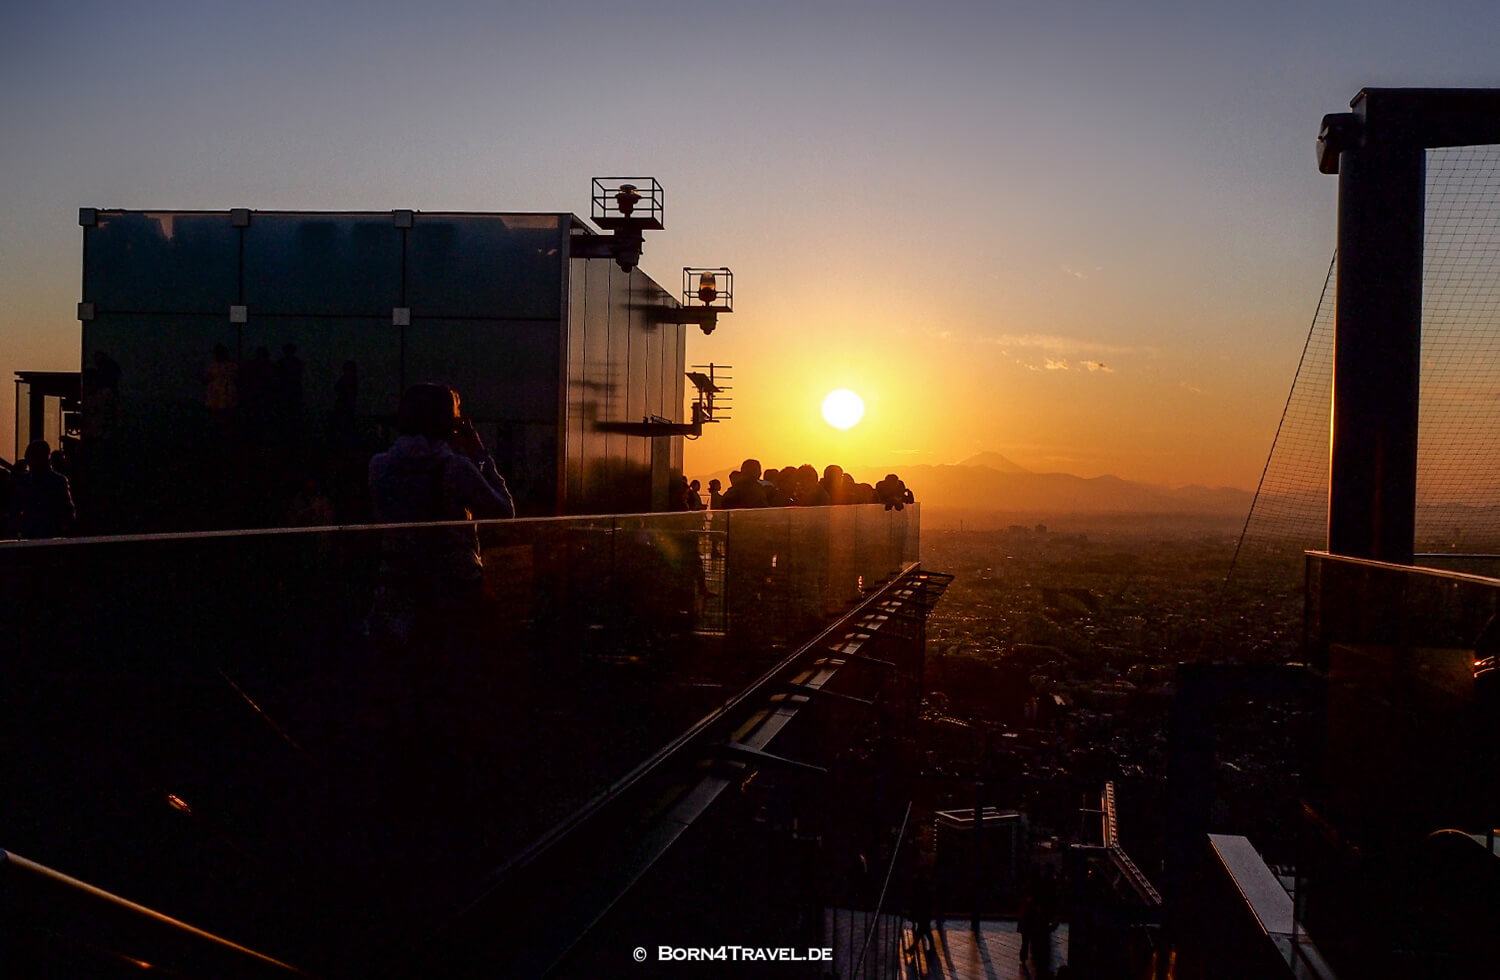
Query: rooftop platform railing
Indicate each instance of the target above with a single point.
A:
(1411, 696)
(231, 729)
(1442, 601)
(1400, 871)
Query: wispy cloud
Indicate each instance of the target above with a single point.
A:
(1074, 272)
(1193, 388)
(1057, 353)
(1054, 345)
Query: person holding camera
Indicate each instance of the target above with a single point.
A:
(436, 471)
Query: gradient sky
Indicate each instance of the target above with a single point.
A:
(1090, 236)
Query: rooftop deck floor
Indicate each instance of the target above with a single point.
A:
(994, 954)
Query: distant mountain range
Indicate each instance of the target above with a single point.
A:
(991, 482)
(995, 462)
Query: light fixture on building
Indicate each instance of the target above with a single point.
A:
(706, 292)
(627, 197)
(708, 288)
(627, 207)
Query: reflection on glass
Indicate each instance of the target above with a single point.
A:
(161, 263)
(492, 266)
(310, 264)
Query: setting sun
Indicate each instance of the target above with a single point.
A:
(843, 408)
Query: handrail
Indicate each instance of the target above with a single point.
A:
(1386, 566)
(880, 905)
(138, 912)
(1139, 883)
(18, 543)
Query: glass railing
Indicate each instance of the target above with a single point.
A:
(1411, 696)
(1351, 600)
(298, 742)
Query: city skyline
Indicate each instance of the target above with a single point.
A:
(1091, 240)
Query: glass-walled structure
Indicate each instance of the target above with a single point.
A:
(236, 358)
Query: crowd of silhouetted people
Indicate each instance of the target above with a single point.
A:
(36, 500)
(790, 486)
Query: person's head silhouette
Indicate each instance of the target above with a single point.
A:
(429, 410)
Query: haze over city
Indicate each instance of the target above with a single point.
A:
(1089, 238)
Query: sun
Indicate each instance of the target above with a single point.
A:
(843, 409)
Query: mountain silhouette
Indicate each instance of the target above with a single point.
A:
(995, 462)
(989, 481)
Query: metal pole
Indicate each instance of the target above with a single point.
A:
(1377, 353)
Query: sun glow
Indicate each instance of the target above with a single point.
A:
(843, 408)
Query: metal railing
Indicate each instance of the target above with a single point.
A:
(47, 907)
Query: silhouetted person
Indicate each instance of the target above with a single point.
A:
(221, 389)
(833, 484)
(923, 901)
(786, 486)
(810, 492)
(438, 470)
(99, 407)
(346, 402)
(695, 497)
(256, 380)
(747, 491)
(892, 492)
(679, 498)
(109, 371)
(286, 395)
(41, 502)
(1037, 922)
(715, 498)
(310, 507)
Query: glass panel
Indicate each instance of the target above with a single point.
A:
(502, 266)
(502, 370)
(137, 262)
(526, 454)
(163, 361)
(158, 446)
(267, 729)
(311, 418)
(342, 372)
(319, 263)
(1409, 660)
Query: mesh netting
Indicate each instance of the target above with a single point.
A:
(1458, 453)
